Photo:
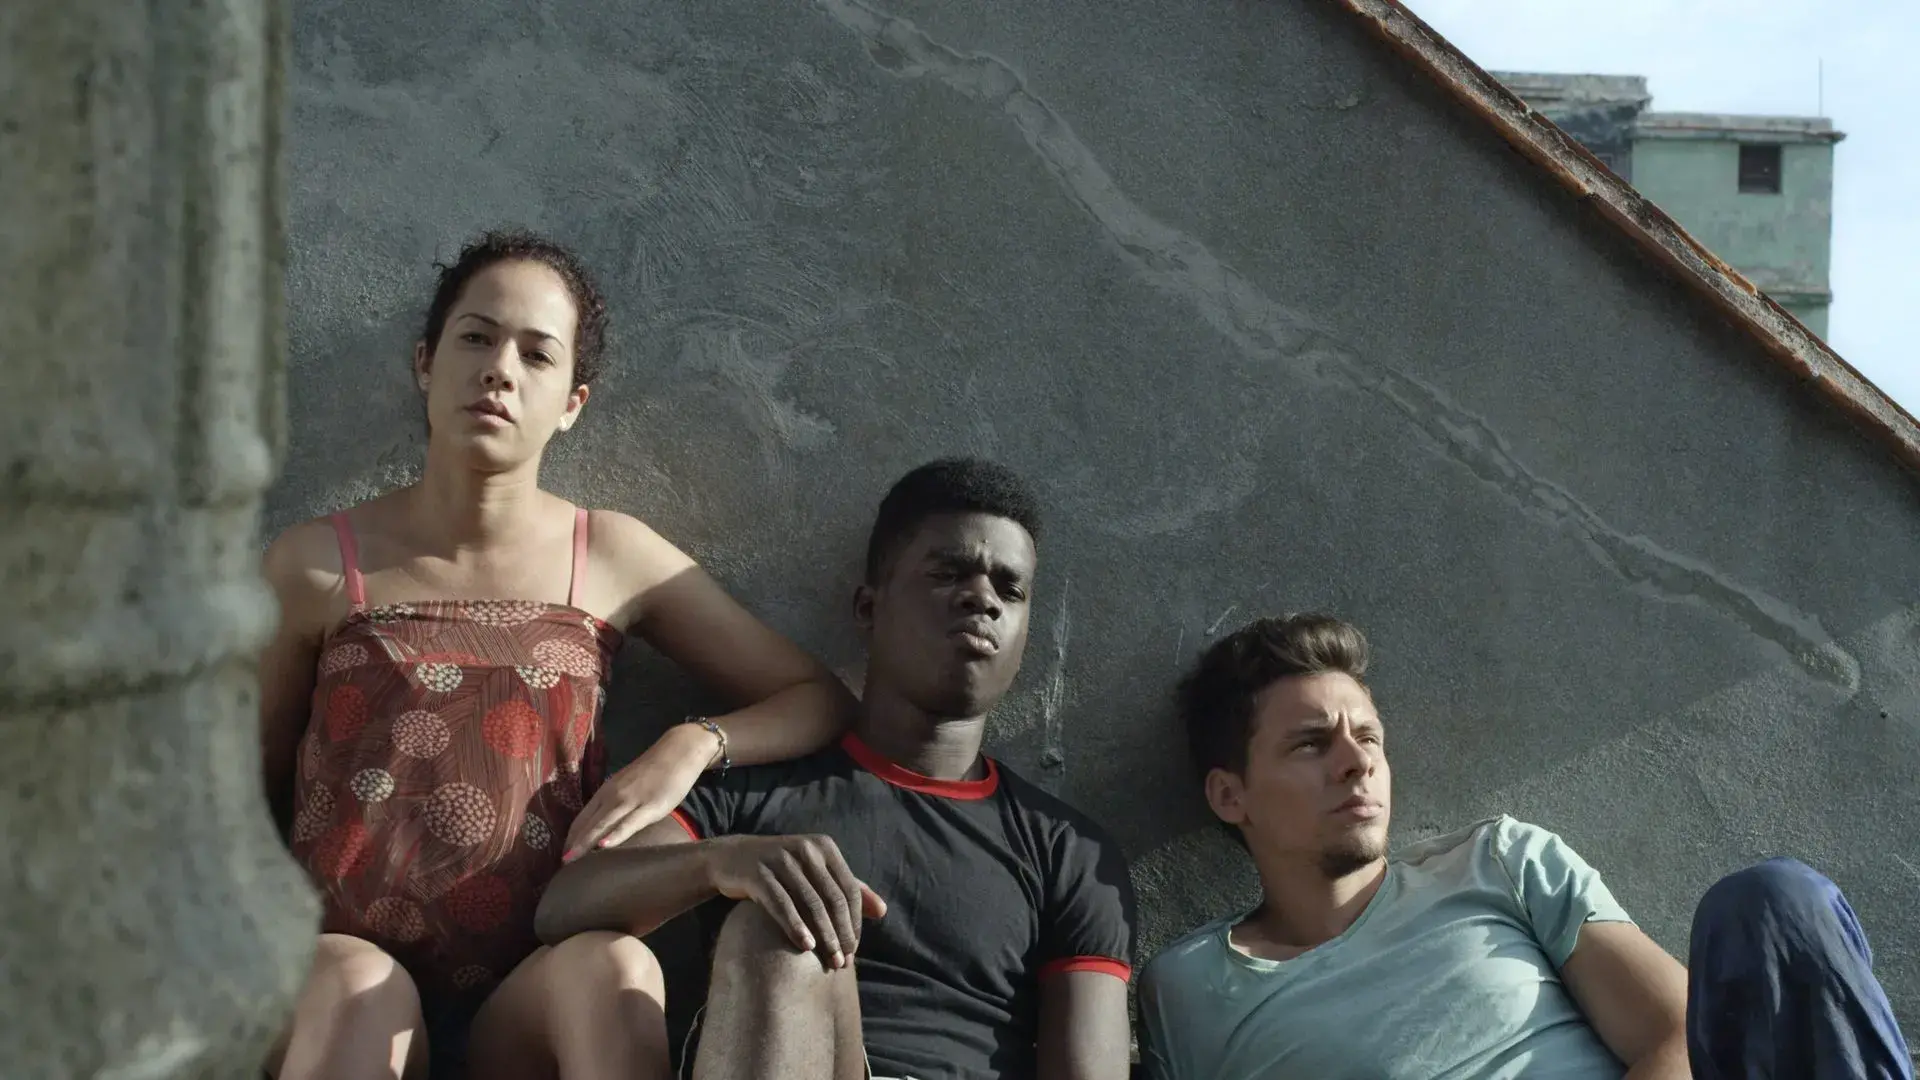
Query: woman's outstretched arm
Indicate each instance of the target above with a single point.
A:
(787, 704)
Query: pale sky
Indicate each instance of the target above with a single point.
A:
(1764, 56)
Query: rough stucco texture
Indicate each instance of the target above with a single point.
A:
(1271, 324)
(153, 926)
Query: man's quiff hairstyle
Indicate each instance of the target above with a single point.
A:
(1216, 699)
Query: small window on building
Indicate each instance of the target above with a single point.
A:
(1760, 168)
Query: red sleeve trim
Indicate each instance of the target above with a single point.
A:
(693, 831)
(1099, 964)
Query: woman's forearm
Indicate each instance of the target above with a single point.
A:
(791, 723)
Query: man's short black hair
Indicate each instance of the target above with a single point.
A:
(948, 486)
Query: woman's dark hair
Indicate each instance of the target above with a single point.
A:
(519, 245)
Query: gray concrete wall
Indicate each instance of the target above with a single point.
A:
(1272, 325)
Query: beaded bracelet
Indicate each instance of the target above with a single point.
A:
(726, 762)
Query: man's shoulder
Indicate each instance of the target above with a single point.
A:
(1495, 850)
(1052, 814)
(1191, 955)
(793, 774)
(773, 786)
(1494, 836)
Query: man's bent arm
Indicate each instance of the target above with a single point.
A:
(1634, 995)
(632, 889)
(1083, 1026)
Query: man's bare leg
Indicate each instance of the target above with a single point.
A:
(776, 1013)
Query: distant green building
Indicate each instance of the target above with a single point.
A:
(1757, 191)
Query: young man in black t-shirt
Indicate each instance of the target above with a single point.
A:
(910, 903)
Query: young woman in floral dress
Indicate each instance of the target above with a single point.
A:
(430, 710)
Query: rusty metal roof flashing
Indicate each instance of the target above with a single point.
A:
(1778, 333)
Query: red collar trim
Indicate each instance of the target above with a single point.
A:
(902, 777)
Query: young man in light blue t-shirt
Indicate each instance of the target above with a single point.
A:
(1490, 953)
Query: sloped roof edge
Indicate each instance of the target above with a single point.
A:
(1789, 343)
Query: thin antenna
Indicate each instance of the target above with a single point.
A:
(1822, 92)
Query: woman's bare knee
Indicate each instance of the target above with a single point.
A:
(349, 968)
(591, 1007)
(357, 986)
(605, 960)
(357, 1003)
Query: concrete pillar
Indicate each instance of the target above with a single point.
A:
(151, 926)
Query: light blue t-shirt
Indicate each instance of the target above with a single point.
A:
(1452, 971)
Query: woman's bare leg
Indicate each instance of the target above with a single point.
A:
(590, 1008)
(358, 1017)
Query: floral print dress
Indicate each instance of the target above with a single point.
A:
(450, 745)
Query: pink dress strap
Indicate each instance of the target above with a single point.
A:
(579, 556)
(349, 560)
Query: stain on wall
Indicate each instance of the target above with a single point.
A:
(1269, 322)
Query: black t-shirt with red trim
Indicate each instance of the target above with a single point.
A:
(991, 885)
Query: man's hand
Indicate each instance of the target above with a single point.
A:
(802, 882)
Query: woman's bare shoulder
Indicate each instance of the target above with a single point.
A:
(304, 566)
(631, 558)
(303, 549)
(625, 538)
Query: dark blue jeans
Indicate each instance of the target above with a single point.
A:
(1781, 986)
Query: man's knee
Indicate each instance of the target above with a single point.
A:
(750, 932)
(1774, 885)
(1780, 908)
(783, 1010)
(1780, 976)
(601, 960)
(751, 939)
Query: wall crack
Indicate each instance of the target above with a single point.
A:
(1267, 332)
(1053, 735)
